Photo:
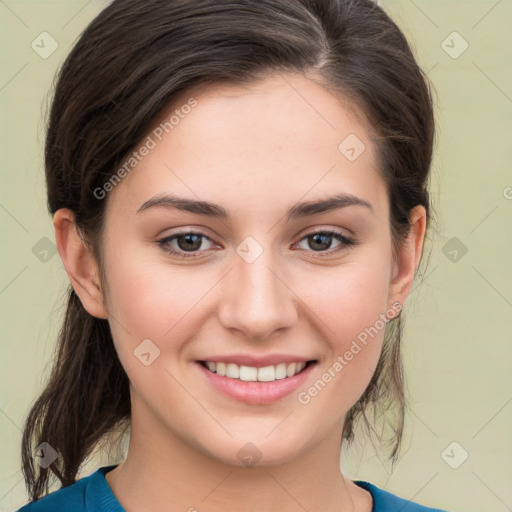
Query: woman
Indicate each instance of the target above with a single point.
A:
(239, 196)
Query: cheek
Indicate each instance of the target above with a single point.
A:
(348, 299)
(151, 299)
(351, 305)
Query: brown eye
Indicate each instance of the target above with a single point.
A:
(320, 241)
(186, 242)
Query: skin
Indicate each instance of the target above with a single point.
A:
(255, 151)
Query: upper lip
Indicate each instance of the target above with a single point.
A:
(258, 361)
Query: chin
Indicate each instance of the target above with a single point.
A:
(259, 450)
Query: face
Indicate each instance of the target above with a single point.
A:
(267, 283)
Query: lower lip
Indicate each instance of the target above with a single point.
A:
(256, 393)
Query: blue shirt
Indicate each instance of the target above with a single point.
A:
(93, 494)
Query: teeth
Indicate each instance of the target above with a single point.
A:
(220, 368)
(281, 371)
(232, 371)
(253, 374)
(248, 373)
(266, 374)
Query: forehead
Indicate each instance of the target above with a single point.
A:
(292, 104)
(278, 139)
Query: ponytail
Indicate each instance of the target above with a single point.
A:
(87, 395)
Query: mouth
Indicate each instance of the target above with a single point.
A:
(269, 373)
(262, 385)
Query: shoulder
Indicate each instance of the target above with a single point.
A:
(67, 498)
(384, 501)
(90, 493)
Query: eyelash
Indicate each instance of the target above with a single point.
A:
(345, 243)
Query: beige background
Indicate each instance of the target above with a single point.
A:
(457, 344)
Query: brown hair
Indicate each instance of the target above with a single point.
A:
(125, 69)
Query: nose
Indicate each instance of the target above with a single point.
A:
(257, 300)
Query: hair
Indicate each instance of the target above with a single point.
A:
(127, 66)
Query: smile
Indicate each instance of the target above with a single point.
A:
(253, 374)
(262, 385)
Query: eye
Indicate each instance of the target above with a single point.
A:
(186, 241)
(319, 241)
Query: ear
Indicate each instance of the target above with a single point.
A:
(408, 257)
(79, 262)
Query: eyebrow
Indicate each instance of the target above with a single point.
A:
(298, 210)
